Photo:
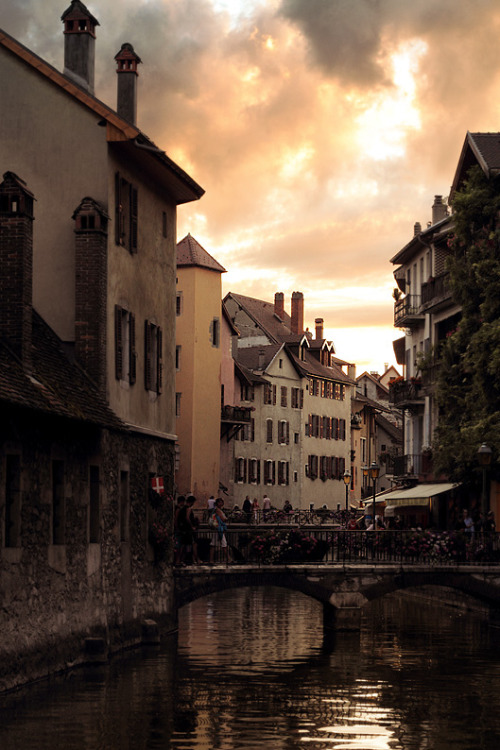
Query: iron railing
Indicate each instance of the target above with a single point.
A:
(295, 545)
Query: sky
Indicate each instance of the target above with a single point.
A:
(320, 130)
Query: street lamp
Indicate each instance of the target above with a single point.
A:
(374, 472)
(484, 457)
(347, 481)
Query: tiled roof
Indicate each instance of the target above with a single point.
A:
(191, 253)
(310, 367)
(54, 385)
(395, 432)
(257, 357)
(478, 148)
(263, 313)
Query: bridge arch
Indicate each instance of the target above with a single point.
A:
(342, 591)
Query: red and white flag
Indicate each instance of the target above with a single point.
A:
(157, 485)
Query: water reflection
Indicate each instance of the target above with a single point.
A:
(250, 670)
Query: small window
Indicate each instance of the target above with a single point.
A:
(94, 505)
(178, 404)
(215, 332)
(58, 503)
(269, 430)
(12, 501)
(178, 357)
(178, 304)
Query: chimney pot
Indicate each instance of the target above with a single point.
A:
(439, 209)
(127, 61)
(79, 44)
(297, 325)
(319, 329)
(417, 228)
(279, 305)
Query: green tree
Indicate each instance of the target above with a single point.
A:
(468, 382)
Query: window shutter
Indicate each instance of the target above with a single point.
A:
(118, 208)
(235, 469)
(134, 205)
(269, 430)
(132, 352)
(252, 430)
(258, 471)
(274, 394)
(147, 355)
(287, 433)
(118, 342)
(244, 470)
(287, 473)
(159, 359)
(274, 472)
(342, 426)
(301, 398)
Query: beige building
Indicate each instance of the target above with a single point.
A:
(300, 446)
(198, 370)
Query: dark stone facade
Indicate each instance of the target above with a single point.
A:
(57, 601)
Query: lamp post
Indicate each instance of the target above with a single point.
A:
(347, 481)
(374, 472)
(484, 458)
(365, 470)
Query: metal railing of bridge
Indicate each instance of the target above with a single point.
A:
(283, 544)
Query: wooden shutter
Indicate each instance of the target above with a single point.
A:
(118, 209)
(134, 206)
(147, 355)
(159, 359)
(118, 342)
(132, 352)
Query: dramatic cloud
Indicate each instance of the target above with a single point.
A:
(320, 130)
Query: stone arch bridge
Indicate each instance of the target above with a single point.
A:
(343, 590)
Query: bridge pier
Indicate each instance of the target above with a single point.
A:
(341, 618)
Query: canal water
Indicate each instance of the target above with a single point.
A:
(250, 670)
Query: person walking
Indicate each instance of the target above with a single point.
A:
(256, 510)
(218, 540)
(247, 509)
(266, 506)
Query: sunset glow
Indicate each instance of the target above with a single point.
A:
(319, 137)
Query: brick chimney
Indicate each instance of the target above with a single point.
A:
(417, 228)
(297, 325)
(16, 262)
(279, 305)
(91, 239)
(127, 62)
(79, 44)
(439, 209)
(319, 329)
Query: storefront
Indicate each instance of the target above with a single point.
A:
(424, 505)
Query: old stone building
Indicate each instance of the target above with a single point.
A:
(87, 379)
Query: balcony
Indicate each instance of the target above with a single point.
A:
(413, 466)
(436, 293)
(407, 311)
(406, 394)
(233, 418)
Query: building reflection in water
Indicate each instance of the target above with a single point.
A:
(250, 669)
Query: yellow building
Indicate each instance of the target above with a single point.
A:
(198, 370)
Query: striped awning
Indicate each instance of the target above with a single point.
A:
(420, 495)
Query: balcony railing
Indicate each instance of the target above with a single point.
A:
(405, 393)
(412, 465)
(407, 310)
(435, 292)
(236, 414)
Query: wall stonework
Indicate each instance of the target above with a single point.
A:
(56, 599)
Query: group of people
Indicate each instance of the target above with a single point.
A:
(478, 525)
(252, 508)
(186, 526)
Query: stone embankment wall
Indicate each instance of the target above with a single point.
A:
(79, 593)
